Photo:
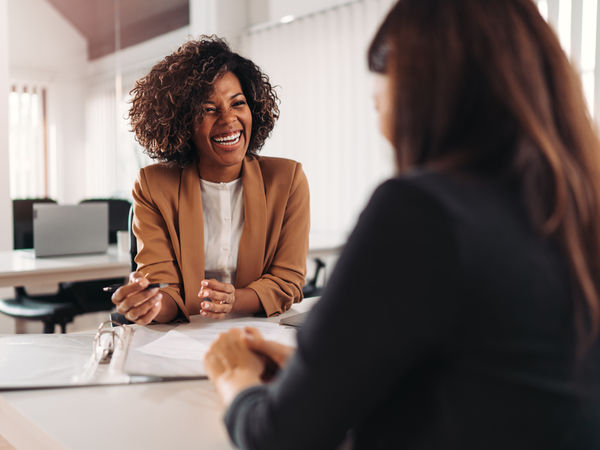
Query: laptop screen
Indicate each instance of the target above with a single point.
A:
(70, 229)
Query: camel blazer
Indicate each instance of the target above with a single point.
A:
(169, 227)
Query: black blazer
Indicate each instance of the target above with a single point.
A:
(447, 324)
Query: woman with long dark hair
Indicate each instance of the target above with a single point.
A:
(483, 255)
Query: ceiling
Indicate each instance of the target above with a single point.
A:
(140, 20)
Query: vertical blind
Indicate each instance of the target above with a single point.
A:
(576, 23)
(328, 122)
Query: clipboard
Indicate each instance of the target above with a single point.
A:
(53, 361)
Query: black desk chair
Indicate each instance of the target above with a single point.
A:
(311, 289)
(53, 309)
(118, 317)
(132, 240)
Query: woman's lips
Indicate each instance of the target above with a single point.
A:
(230, 138)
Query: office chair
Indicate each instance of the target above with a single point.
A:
(89, 294)
(52, 309)
(311, 289)
(132, 240)
(23, 221)
(115, 316)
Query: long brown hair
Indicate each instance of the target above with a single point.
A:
(485, 85)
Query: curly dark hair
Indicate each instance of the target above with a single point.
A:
(168, 101)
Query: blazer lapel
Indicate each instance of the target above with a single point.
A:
(191, 235)
(253, 241)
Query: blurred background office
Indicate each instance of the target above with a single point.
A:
(68, 66)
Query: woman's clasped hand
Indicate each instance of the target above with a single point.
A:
(218, 298)
(240, 358)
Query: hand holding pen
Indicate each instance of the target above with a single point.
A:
(138, 300)
(113, 287)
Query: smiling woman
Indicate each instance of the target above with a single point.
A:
(225, 228)
(222, 136)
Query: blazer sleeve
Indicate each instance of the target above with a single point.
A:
(281, 284)
(156, 234)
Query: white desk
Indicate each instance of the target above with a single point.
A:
(178, 415)
(325, 244)
(20, 268)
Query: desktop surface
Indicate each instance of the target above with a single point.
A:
(177, 414)
(21, 268)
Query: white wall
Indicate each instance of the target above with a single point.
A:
(258, 11)
(5, 204)
(281, 8)
(203, 16)
(45, 48)
(266, 11)
(226, 18)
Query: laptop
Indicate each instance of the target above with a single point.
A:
(294, 321)
(60, 230)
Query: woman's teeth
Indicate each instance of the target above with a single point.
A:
(230, 139)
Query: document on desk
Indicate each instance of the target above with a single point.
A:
(179, 352)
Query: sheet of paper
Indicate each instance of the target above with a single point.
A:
(180, 351)
(176, 345)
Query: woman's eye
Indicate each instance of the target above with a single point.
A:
(240, 103)
(209, 109)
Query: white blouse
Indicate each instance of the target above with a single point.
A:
(223, 209)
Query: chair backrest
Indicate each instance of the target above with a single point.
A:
(118, 212)
(23, 221)
(311, 289)
(132, 241)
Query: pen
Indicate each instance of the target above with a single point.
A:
(114, 287)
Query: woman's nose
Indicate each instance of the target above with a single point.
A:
(228, 116)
